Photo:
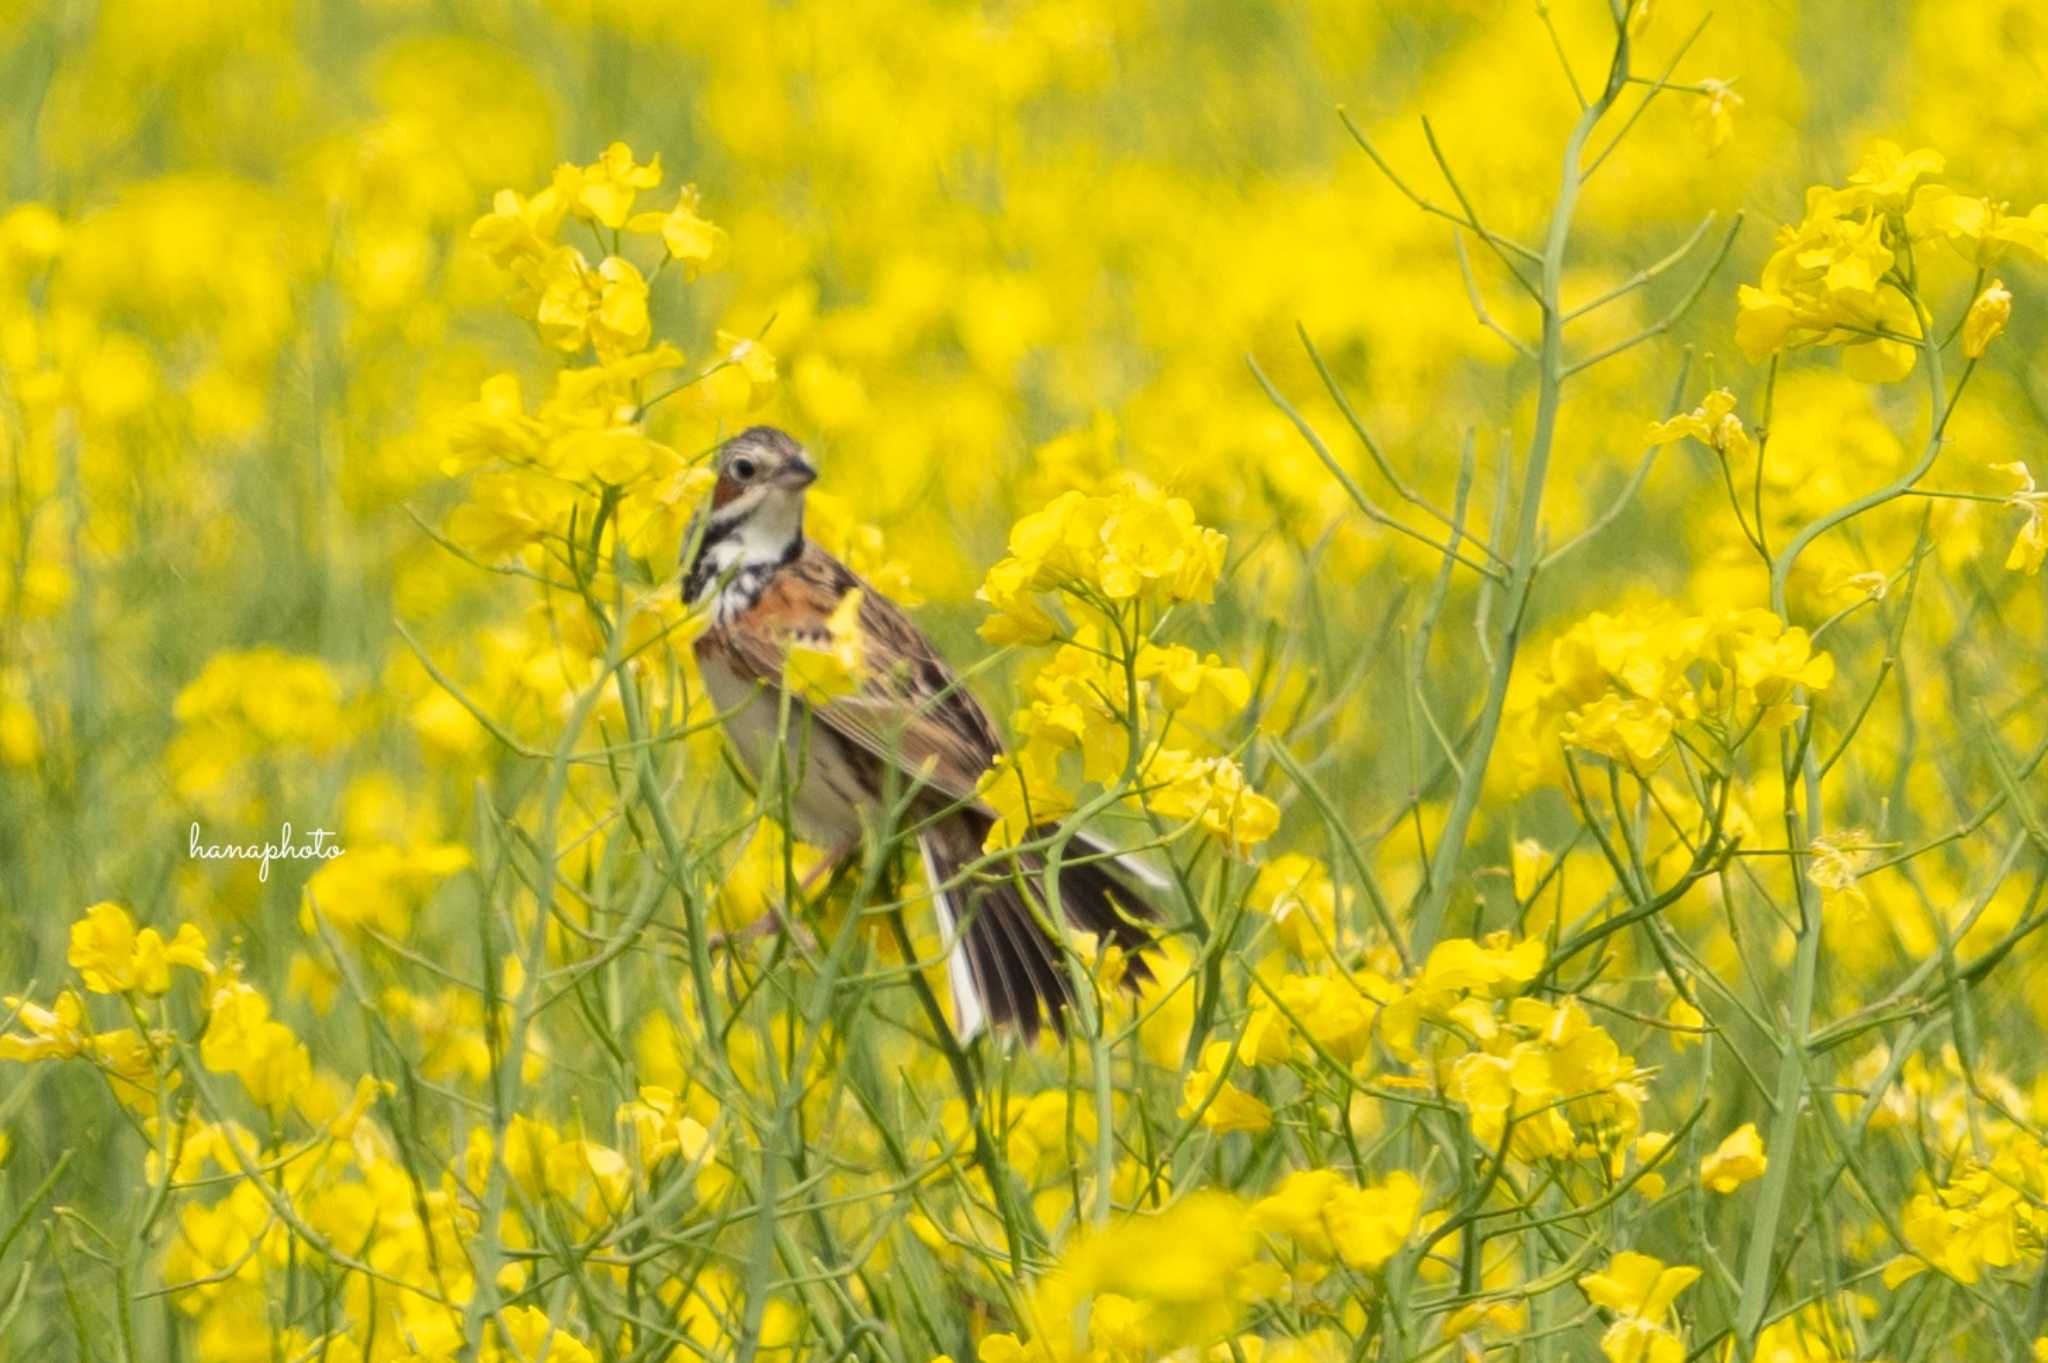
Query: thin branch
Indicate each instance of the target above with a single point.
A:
(1636, 479)
(1663, 82)
(1350, 484)
(1519, 346)
(1427, 206)
(1670, 319)
(1372, 447)
(1557, 46)
(1646, 274)
(1472, 214)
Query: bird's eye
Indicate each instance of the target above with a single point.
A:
(743, 468)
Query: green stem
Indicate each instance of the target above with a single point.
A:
(1801, 828)
(1527, 557)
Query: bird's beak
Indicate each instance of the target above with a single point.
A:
(797, 476)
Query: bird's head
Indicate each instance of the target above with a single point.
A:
(757, 506)
(761, 466)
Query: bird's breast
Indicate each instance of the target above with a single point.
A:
(829, 786)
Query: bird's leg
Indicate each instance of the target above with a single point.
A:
(777, 919)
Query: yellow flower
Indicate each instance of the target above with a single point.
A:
(1769, 663)
(568, 293)
(1500, 965)
(259, 703)
(1202, 691)
(506, 512)
(517, 229)
(1553, 1072)
(1077, 704)
(1815, 1335)
(494, 428)
(54, 1033)
(1336, 1012)
(1686, 1021)
(1888, 173)
(1525, 866)
(1986, 319)
(1228, 1107)
(1018, 617)
(1178, 1273)
(1963, 1227)
(242, 1040)
(1649, 1152)
(1212, 791)
(1369, 1225)
(114, 958)
(30, 233)
(605, 188)
(1295, 1208)
(1717, 113)
(1736, 1161)
(1835, 867)
(1765, 319)
(1024, 791)
(1980, 230)
(1148, 540)
(1506, 1317)
(342, 1126)
(619, 325)
(1634, 731)
(530, 1336)
(2032, 541)
(1296, 893)
(823, 669)
(1001, 1348)
(742, 380)
(2030, 546)
(591, 1179)
(103, 949)
(1640, 1291)
(378, 886)
(662, 1128)
(1713, 423)
(691, 241)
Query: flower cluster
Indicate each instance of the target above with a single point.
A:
(245, 710)
(1845, 275)
(535, 468)
(1131, 544)
(113, 957)
(1628, 685)
(340, 1186)
(1152, 718)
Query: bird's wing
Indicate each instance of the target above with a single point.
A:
(910, 711)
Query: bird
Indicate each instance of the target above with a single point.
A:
(909, 726)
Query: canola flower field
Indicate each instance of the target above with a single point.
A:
(1524, 515)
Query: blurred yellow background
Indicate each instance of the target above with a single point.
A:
(996, 252)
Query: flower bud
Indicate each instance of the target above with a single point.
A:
(1987, 317)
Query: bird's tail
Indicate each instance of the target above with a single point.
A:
(1002, 960)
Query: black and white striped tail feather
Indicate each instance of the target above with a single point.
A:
(1003, 965)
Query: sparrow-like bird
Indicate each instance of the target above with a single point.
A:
(909, 727)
